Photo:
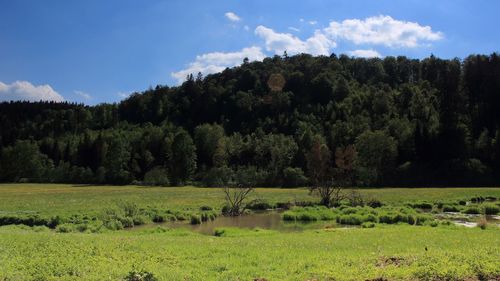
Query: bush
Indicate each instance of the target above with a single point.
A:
(140, 220)
(289, 216)
(368, 225)
(66, 228)
(374, 203)
(258, 204)
(113, 225)
(450, 208)
(157, 177)
(140, 276)
(206, 208)
(421, 205)
(195, 219)
(218, 176)
(208, 216)
(294, 177)
(482, 223)
(490, 209)
(351, 219)
(472, 210)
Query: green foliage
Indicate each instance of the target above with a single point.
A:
(490, 209)
(182, 158)
(472, 210)
(294, 177)
(157, 177)
(135, 275)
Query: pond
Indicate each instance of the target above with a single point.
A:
(267, 220)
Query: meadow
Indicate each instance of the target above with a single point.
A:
(385, 252)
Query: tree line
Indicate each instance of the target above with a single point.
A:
(408, 122)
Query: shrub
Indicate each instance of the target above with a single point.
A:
(433, 223)
(450, 208)
(471, 210)
(140, 220)
(283, 205)
(113, 224)
(368, 225)
(306, 216)
(421, 205)
(208, 216)
(126, 221)
(351, 219)
(258, 204)
(66, 228)
(289, 216)
(206, 208)
(218, 176)
(195, 219)
(135, 275)
(293, 177)
(477, 199)
(374, 203)
(157, 176)
(490, 209)
(482, 223)
(130, 209)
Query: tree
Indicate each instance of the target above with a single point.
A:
(182, 160)
(157, 176)
(23, 160)
(235, 196)
(116, 161)
(377, 154)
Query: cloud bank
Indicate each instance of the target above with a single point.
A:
(218, 61)
(24, 90)
(379, 30)
(382, 30)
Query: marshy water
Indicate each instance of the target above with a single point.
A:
(266, 220)
(272, 220)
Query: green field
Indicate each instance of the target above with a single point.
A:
(392, 252)
(53, 199)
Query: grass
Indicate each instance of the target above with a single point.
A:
(393, 252)
(61, 199)
(453, 253)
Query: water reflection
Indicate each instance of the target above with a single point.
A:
(265, 220)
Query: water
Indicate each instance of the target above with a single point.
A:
(267, 220)
(468, 220)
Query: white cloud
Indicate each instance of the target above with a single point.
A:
(382, 30)
(365, 53)
(313, 22)
(24, 90)
(83, 94)
(218, 61)
(301, 20)
(232, 16)
(246, 27)
(318, 44)
(123, 95)
(294, 29)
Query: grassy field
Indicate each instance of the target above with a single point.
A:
(54, 199)
(392, 252)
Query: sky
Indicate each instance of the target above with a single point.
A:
(97, 51)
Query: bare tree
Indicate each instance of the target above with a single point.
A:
(235, 197)
(328, 183)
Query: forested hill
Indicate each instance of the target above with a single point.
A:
(411, 122)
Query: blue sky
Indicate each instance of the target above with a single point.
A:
(97, 51)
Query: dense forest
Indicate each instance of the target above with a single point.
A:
(411, 122)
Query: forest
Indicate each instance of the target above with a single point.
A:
(410, 122)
